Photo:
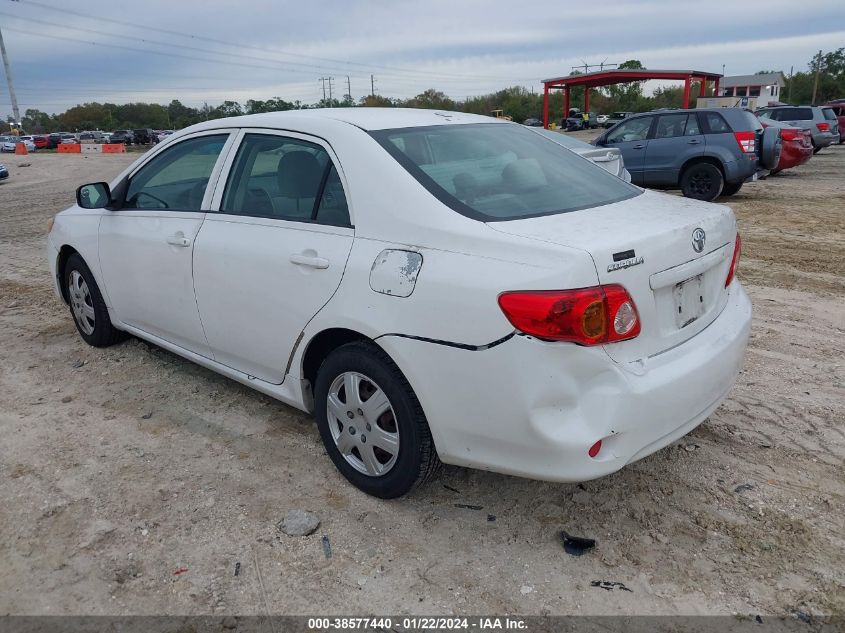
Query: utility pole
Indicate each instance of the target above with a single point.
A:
(372, 86)
(329, 79)
(323, 81)
(789, 86)
(816, 80)
(8, 68)
(348, 88)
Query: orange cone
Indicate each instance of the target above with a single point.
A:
(20, 148)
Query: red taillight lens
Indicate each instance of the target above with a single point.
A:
(823, 127)
(587, 316)
(747, 141)
(734, 261)
(792, 135)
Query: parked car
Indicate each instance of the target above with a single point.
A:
(144, 136)
(41, 141)
(9, 143)
(838, 107)
(522, 310)
(532, 122)
(4, 172)
(706, 152)
(53, 139)
(616, 117)
(796, 145)
(609, 159)
(577, 122)
(68, 138)
(825, 131)
(165, 133)
(29, 140)
(88, 137)
(123, 136)
(601, 119)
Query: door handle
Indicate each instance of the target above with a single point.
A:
(694, 141)
(313, 262)
(638, 146)
(179, 239)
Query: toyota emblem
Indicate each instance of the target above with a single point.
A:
(698, 239)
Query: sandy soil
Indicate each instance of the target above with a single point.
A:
(118, 467)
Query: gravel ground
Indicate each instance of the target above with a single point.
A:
(134, 482)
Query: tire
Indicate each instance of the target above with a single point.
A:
(771, 148)
(401, 425)
(87, 307)
(730, 189)
(702, 181)
(816, 149)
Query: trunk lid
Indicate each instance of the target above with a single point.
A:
(646, 244)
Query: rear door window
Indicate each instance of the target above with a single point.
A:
(670, 125)
(285, 178)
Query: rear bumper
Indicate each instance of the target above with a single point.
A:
(741, 170)
(531, 408)
(824, 139)
(793, 155)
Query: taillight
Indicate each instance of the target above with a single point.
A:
(792, 135)
(747, 141)
(734, 261)
(823, 127)
(587, 316)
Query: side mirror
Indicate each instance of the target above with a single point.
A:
(93, 196)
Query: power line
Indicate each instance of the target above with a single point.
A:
(135, 26)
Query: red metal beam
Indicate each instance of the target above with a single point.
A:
(687, 83)
(566, 102)
(546, 106)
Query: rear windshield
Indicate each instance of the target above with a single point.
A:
(829, 113)
(493, 172)
(793, 114)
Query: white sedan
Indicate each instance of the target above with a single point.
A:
(9, 143)
(433, 286)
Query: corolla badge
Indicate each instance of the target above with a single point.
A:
(698, 239)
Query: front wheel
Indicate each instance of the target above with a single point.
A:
(371, 423)
(87, 306)
(702, 181)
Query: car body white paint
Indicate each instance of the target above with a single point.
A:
(238, 303)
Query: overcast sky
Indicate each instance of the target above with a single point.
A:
(64, 53)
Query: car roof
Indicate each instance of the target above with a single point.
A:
(362, 117)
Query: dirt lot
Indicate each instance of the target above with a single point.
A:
(118, 467)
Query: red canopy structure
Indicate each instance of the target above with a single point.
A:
(621, 76)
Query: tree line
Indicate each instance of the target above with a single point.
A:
(825, 77)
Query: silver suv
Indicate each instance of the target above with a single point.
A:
(824, 130)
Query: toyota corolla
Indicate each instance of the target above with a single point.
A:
(432, 286)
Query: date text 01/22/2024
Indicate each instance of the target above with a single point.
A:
(418, 623)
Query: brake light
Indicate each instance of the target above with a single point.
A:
(587, 316)
(823, 127)
(734, 261)
(792, 135)
(747, 141)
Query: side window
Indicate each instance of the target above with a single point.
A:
(332, 208)
(632, 130)
(285, 178)
(670, 125)
(177, 178)
(715, 123)
(693, 129)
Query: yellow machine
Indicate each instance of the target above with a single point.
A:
(500, 114)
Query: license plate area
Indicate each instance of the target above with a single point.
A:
(689, 300)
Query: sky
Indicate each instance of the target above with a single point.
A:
(64, 53)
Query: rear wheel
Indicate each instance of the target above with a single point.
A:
(371, 422)
(730, 189)
(816, 149)
(87, 306)
(702, 181)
